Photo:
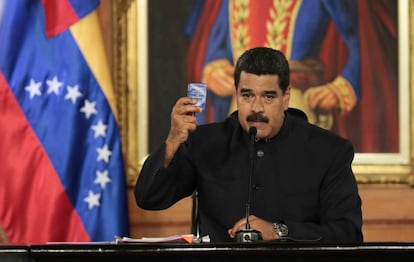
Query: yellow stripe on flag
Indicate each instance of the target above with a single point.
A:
(88, 35)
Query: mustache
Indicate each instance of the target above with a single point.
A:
(257, 118)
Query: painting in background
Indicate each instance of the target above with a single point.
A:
(343, 56)
(167, 44)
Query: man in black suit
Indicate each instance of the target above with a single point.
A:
(299, 176)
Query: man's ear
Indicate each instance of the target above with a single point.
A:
(286, 98)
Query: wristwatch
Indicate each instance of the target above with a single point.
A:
(281, 229)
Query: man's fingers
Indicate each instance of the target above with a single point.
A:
(239, 225)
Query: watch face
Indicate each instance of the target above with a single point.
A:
(281, 229)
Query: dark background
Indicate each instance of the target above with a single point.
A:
(167, 51)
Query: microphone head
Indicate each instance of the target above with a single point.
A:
(252, 131)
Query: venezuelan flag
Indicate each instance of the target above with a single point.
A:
(61, 168)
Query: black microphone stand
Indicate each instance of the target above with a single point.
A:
(249, 235)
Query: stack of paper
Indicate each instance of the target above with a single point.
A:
(186, 238)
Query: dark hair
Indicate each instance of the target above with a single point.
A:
(263, 61)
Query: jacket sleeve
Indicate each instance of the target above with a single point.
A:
(340, 205)
(159, 188)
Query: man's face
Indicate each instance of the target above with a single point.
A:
(261, 103)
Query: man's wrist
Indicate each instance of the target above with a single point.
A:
(170, 150)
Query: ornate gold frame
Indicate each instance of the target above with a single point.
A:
(130, 80)
(396, 169)
(131, 84)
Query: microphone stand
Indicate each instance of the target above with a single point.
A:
(195, 227)
(249, 235)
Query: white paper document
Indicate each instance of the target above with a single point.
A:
(186, 238)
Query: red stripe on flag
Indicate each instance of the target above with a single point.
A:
(60, 15)
(35, 207)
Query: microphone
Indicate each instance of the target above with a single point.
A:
(249, 235)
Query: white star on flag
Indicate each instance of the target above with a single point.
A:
(102, 178)
(33, 88)
(103, 153)
(54, 85)
(100, 129)
(89, 108)
(73, 93)
(92, 199)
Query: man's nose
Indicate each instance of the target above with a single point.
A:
(257, 105)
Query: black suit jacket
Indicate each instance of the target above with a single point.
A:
(301, 177)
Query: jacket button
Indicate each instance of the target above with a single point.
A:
(260, 153)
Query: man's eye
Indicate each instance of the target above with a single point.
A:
(247, 95)
(269, 97)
